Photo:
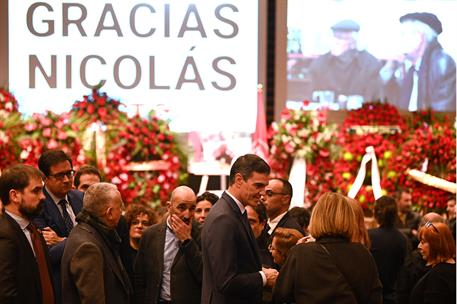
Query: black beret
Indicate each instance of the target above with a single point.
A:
(346, 26)
(427, 18)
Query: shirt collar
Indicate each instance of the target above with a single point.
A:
(23, 223)
(276, 220)
(238, 203)
(55, 198)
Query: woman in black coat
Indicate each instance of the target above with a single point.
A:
(332, 269)
(437, 247)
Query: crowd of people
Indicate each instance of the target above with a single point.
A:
(65, 237)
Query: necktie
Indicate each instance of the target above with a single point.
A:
(66, 217)
(45, 279)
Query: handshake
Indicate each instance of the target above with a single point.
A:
(271, 275)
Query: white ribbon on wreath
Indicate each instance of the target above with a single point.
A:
(297, 179)
(375, 178)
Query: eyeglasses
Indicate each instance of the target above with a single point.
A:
(143, 223)
(271, 248)
(61, 175)
(270, 193)
(430, 224)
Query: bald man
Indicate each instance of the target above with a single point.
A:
(168, 268)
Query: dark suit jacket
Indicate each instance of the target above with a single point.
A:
(92, 272)
(287, 222)
(231, 262)
(19, 275)
(186, 270)
(51, 216)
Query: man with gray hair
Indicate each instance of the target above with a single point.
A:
(92, 270)
(425, 77)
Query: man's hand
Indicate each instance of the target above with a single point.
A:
(181, 229)
(50, 236)
(272, 275)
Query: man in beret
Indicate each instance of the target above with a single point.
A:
(348, 73)
(425, 76)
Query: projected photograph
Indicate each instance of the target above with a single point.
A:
(341, 54)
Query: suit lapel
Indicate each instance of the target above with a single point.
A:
(26, 247)
(245, 224)
(55, 215)
(74, 203)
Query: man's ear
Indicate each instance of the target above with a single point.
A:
(168, 204)
(14, 196)
(238, 179)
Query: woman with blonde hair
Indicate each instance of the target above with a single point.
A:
(334, 268)
(437, 247)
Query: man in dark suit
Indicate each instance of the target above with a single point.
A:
(92, 270)
(24, 266)
(232, 272)
(168, 268)
(277, 197)
(61, 205)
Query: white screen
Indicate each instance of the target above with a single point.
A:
(218, 41)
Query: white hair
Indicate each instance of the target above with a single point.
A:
(421, 27)
(98, 197)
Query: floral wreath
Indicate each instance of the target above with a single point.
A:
(303, 134)
(50, 131)
(432, 146)
(375, 124)
(97, 107)
(10, 126)
(145, 161)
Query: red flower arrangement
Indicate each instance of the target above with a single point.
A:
(147, 141)
(97, 107)
(378, 125)
(49, 131)
(434, 140)
(10, 126)
(304, 134)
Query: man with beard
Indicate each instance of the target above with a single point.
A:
(232, 271)
(407, 221)
(24, 265)
(61, 205)
(168, 267)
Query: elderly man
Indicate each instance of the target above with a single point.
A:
(92, 270)
(425, 75)
(24, 267)
(232, 272)
(348, 75)
(168, 268)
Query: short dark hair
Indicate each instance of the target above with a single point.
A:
(135, 209)
(286, 186)
(17, 178)
(301, 215)
(400, 191)
(261, 211)
(208, 196)
(86, 169)
(385, 211)
(246, 165)
(51, 158)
